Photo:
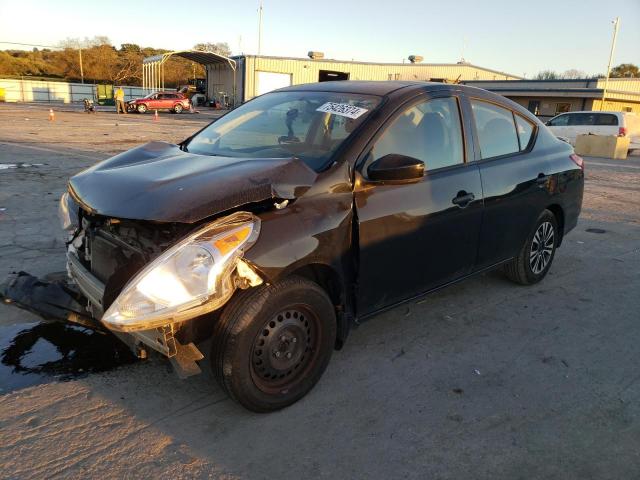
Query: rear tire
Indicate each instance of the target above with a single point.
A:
(272, 343)
(536, 255)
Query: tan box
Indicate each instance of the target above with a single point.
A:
(606, 146)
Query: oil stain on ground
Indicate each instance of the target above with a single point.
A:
(34, 353)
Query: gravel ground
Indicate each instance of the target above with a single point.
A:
(484, 379)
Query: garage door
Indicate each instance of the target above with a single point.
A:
(268, 81)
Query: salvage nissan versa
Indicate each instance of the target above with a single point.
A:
(306, 210)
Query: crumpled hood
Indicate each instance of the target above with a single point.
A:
(160, 182)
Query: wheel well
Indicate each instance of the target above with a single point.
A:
(331, 282)
(559, 214)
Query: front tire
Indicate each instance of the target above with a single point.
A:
(177, 108)
(142, 108)
(272, 343)
(535, 258)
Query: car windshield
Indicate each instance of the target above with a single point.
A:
(307, 125)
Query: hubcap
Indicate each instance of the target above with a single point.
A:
(284, 349)
(541, 248)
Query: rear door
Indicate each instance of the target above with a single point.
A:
(418, 235)
(513, 180)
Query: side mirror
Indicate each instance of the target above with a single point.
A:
(394, 167)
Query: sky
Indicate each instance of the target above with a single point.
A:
(521, 38)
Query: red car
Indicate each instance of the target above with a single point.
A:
(172, 101)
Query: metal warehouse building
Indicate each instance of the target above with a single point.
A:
(547, 98)
(243, 77)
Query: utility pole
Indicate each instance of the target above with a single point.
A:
(260, 28)
(81, 71)
(616, 26)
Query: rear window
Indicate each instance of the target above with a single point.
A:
(496, 129)
(606, 119)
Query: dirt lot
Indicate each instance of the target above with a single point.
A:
(482, 380)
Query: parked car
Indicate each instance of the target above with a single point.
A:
(172, 101)
(624, 124)
(278, 226)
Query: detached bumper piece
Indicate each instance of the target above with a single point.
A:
(55, 300)
(52, 299)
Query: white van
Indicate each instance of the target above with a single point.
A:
(569, 125)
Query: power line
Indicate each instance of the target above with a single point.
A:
(29, 45)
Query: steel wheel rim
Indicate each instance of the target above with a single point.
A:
(285, 349)
(178, 108)
(542, 247)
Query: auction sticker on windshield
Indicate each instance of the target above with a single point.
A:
(342, 109)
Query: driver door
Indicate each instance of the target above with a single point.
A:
(417, 235)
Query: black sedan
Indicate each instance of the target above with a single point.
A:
(277, 227)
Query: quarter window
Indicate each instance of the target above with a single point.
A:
(496, 130)
(525, 131)
(429, 131)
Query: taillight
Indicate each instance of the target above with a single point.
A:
(622, 131)
(578, 160)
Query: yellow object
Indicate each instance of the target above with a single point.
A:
(606, 146)
(120, 94)
(231, 241)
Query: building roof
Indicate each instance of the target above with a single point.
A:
(204, 58)
(331, 60)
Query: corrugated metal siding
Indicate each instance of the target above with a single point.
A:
(307, 71)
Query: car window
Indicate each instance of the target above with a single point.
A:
(525, 131)
(307, 125)
(559, 121)
(606, 119)
(496, 129)
(429, 131)
(578, 119)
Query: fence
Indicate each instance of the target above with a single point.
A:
(16, 90)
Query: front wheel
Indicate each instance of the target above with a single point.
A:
(535, 258)
(142, 108)
(272, 343)
(177, 108)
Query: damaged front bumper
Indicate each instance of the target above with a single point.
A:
(84, 297)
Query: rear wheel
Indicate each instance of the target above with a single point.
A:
(142, 108)
(535, 258)
(272, 343)
(177, 108)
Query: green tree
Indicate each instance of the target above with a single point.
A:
(625, 70)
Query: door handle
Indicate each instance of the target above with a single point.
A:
(463, 199)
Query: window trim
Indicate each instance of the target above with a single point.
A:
(476, 139)
(422, 97)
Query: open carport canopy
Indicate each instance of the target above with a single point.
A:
(153, 67)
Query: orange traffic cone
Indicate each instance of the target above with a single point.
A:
(155, 116)
(52, 116)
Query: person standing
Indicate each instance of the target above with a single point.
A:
(120, 105)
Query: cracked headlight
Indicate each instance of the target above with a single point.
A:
(193, 277)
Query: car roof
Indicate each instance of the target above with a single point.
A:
(365, 87)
